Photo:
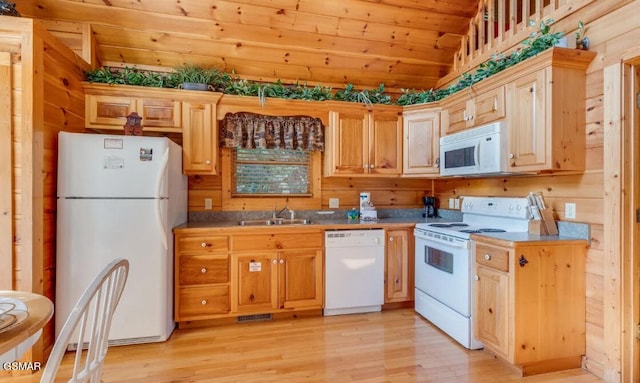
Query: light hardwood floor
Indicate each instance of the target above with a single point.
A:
(393, 346)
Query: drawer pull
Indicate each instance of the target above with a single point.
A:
(204, 302)
(282, 261)
(203, 270)
(204, 244)
(487, 257)
(476, 278)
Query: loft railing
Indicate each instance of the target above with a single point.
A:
(499, 25)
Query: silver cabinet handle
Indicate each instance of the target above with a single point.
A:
(476, 278)
(204, 302)
(275, 261)
(207, 162)
(204, 244)
(282, 261)
(511, 155)
(487, 257)
(371, 166)
(391, 239)
(203, 270)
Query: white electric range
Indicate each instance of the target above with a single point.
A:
(444, 263)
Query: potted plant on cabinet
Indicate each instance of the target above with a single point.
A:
(194, 77)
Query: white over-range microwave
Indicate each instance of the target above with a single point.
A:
(477, 151)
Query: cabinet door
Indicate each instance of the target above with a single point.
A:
(349, 134)
(300, 279)
(488, 106)
(399, 266)
(199, 138)
(491, 309)
(458, 115)
(385, 143)
(109, 112)
(255, 282)
(164, 115)
(421, 148)
(527, 123)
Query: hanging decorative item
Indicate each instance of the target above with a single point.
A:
(133, 127)
(8, 9)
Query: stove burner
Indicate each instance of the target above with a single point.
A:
(458, 224)
(491, 230)
(440, 225)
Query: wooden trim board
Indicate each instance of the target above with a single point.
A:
(6, 174)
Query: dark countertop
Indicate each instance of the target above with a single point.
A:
(324, 224)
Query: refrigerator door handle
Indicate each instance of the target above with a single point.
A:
(159, 199)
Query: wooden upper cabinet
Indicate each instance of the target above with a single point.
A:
(361, 142)
(385, 142)
(107, 107)
(546, 112)
(421, 149)
(160, 113)
(528, 143)
(471, 108)
(108, 112)
(199, 138)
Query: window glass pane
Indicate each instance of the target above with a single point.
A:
(272, 171)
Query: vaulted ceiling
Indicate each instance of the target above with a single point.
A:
(400, 43)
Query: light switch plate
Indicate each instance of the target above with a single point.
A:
(334, 203)
(570, 210)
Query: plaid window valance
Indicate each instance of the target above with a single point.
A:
(257, 131)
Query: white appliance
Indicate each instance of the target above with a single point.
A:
(120, 197)
(477, 151)
(354, 271)
(444, 262)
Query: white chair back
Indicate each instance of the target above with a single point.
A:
(89, 322)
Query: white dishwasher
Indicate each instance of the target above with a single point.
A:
(354, 271)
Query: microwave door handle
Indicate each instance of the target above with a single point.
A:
(476, 154)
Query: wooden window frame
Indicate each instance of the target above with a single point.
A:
(267, 202)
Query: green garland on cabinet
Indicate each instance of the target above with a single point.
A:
(229, 83)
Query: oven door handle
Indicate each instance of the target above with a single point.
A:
(457, 243)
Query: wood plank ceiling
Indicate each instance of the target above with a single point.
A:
(400, 43)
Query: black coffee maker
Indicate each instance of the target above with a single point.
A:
(429, 207)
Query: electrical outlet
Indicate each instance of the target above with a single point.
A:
(451, 203)
(334, 203)
(208, 204)
(456, 203)
(570, 210)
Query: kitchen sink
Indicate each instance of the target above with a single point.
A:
(300, 221)
(277, 221)
(256, 222)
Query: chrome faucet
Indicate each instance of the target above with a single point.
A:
(276, 213)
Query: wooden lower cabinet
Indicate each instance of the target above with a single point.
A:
(221, 276)
(529, 302)
(285, 280)
(202, 284)
(399, 265)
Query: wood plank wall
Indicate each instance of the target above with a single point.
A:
(39, 61)
(385, 192)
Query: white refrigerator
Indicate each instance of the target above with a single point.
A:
(120, 197)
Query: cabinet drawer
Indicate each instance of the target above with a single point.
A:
(492, 257)
(206, 244)
(489, 106)
(200, 269)
(203, 301)
(277, 241)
